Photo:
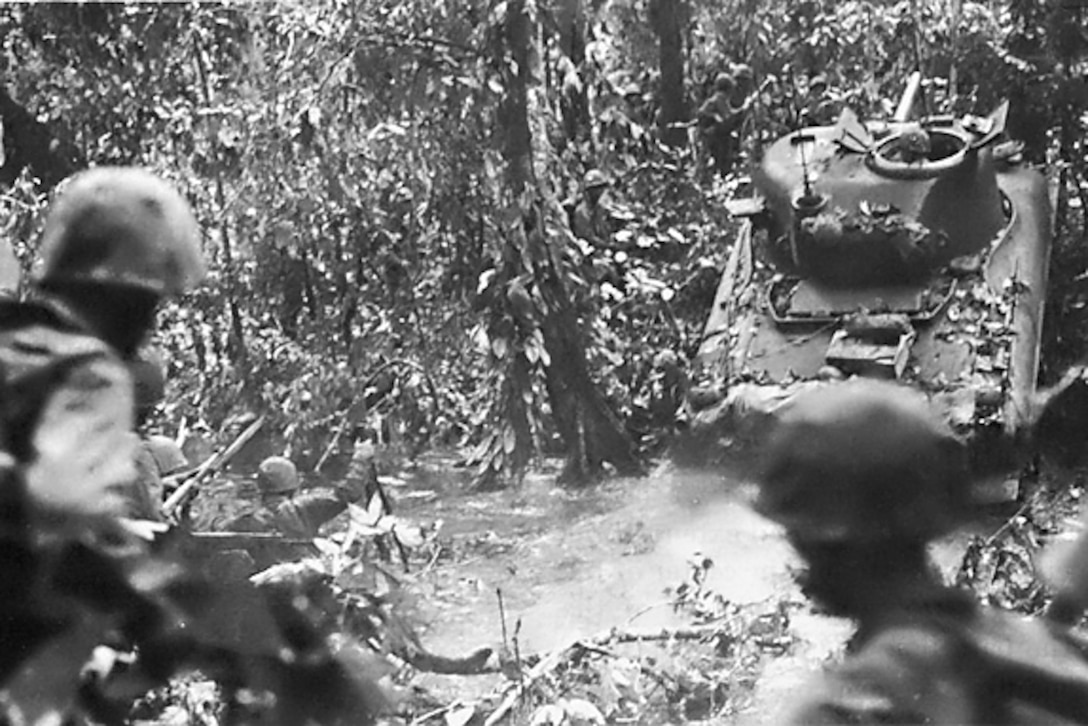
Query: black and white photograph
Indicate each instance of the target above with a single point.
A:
(543, 362)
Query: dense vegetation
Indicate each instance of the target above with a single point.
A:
(385, 189)
(382, 187)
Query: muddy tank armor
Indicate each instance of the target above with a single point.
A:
(909, 250)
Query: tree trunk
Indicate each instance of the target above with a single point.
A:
(537, 285)
(591, 431)
(570, 19)
(666, 19)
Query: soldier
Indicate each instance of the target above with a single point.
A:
(156, 458)
(863, 475)
(819, 108)
(591, 219)
(115, 243)
(744, 85)
(718, 122)
(284, 509)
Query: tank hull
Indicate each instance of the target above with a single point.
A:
(966, 329)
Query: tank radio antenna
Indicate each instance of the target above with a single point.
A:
(804, 169)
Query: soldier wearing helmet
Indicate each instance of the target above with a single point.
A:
(820, 107)
(718, 119)
(591, 220)
(863, 475)
(283, 508)
(116, 241)
(157, 457)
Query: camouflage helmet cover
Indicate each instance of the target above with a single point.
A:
(595, 179)
(166, 453)
(863, 460)
(277, 475)
(121, 226)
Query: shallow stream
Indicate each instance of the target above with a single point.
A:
(573, 564)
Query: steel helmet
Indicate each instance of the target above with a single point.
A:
(863, 460)
(595, 179)
(166, 453)
(277, 475)
(121, 226)
(742, 72)
(723, 82)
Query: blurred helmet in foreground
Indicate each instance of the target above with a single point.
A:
(863, 460)
(121, 226)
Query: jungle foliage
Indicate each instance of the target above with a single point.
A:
(386, 186)
(376, 266)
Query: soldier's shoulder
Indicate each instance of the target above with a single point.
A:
(34, 332)
(902, 674)
(41, 354)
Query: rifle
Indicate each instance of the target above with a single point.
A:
(191, 479)
(242, 540)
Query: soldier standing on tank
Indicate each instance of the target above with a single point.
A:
(116, 242)
(863, 476)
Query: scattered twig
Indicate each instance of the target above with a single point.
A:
(648, 608)
(502, 618)
(545, 666)
(424, 718)
(434, 558)
(632, 636)
(517, 650)
(558, 657)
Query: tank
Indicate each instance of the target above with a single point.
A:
(914, 250)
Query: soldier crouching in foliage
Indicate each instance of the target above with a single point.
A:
(284, 509)
(863, 475)
(296, 516)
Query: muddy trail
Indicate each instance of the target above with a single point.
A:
(575, 564)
